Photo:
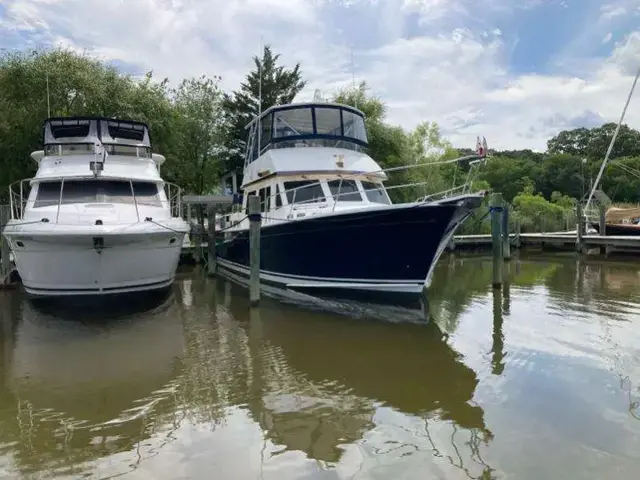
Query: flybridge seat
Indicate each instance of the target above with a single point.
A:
(79, 135)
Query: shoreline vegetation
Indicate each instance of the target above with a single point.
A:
(200, 129)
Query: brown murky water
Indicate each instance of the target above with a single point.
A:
(539, 380)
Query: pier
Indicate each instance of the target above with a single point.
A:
(556, 240)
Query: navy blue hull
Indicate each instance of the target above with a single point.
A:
(384, 247)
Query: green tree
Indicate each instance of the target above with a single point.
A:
(279, 85)
(510, 175)
(594, 142)
(198, 134)
(562, 173)
(78, 85)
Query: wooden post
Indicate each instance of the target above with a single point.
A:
(255, 219)
(5, 252)
(506, 246)
(603, 218)
(197, 252)
(212, 261)
(496, 238)
(517, 233)
(603, 226)
(579, 227)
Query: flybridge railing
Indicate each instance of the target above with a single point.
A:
(20, 190)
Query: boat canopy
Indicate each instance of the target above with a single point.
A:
(306, 125)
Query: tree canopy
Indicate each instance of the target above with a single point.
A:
(267, 85)
(201, 130)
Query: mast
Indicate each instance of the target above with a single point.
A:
(353, 80)
(48, 102)
(259, 125)
(613, 139)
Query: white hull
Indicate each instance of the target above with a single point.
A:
(64, 262)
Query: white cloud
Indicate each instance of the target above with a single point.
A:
(456, 72)
(607, 38)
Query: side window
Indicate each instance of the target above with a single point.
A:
(304, 192)
(263, 199)
(48, 194)
(265, 134)
(375, 192)
(345, 190)
(277, 196)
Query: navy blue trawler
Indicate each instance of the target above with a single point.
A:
(328, 222)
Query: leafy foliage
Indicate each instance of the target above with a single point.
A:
(273, 84)
(198, 133)
(201, 130)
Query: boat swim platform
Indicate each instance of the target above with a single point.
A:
(557, 240)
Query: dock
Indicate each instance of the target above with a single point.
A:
(557, 240)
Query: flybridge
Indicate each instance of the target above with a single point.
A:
(70, 142)
(81, 136)
(88, 130)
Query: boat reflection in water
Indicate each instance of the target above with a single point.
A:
(329, 381)
(78, 385)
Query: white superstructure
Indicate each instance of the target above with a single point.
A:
(97, 217)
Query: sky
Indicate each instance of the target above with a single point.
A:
(516, 72)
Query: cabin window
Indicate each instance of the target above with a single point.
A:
(347, 192)
(96, 191)
(264, 199)
(128, 150)
(70, 129)
(328, 121)
(265, 134)
(110, 191)
(293, 122)
(48, 194)
(375, 193)
(353, 126)
(304, 192)
(126, 131)
(147, 193)
(277, 196)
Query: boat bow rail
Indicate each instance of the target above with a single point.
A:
(292, 203)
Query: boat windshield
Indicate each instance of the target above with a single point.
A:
(308, 125)
(97, 191)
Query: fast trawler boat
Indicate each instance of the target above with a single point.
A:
(328, 222)
(97, 218)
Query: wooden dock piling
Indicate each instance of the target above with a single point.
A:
(196, 232)
(506, 246)
(580, 227)
(255, 220)
(5, 251)
(212, 260)
(496, 207)
(602, 210)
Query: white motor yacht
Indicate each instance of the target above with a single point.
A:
(97, 218)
